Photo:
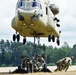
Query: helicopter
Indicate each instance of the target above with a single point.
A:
(36, 18)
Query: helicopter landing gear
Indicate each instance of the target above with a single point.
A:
(52, 37)
(58, 41)
(49, 38)
(24, 40)
(16, 36)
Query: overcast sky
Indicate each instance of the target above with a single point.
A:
(67, 18)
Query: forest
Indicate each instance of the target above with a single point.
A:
(11, 52)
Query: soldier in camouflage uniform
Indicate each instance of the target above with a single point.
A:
(68, 62)
(64, 63)
(60, 64)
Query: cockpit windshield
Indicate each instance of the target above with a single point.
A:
(28, 4)
(25, 4)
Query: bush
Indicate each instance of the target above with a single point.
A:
(3, 65)
(51, 64)
(10, 65)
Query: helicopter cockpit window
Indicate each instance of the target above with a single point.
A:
(21, 4)
(29, 4)
(25, 4)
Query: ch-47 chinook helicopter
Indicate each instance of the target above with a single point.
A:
(36, 18)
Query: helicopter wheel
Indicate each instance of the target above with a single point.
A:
(18, 37)
(58, 41)
(53, 38)
(24, 40)
(49, 38)
(14, 37)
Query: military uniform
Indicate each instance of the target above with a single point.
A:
(64, 63)
(68, 62)
(60, 64)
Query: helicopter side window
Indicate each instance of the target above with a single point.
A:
(34, 4)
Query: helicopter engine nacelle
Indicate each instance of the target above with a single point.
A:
(54, 9)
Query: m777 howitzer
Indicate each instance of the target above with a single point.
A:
(32, 65)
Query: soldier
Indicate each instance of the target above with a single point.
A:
(26, 63)
(64, 63)
(60, 64)
(68, 62)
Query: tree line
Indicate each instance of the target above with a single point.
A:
(11, 52)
